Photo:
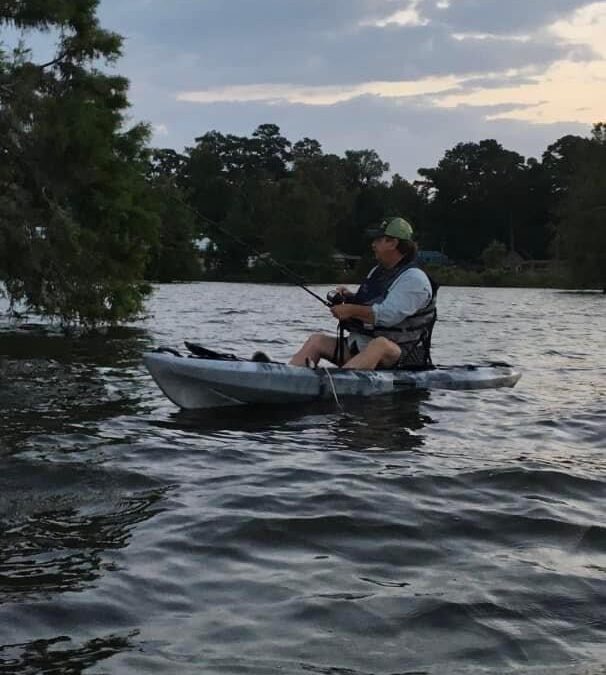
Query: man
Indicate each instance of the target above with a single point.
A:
(390, 317)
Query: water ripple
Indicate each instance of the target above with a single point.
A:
(445, 532)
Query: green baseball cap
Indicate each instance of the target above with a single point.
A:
(391, 227)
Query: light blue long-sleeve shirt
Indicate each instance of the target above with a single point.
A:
(410, 293)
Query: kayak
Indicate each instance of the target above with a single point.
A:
(210, 379)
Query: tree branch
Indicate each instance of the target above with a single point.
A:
(56, 60)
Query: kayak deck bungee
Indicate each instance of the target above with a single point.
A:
(210, 379)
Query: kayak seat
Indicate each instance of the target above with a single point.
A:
(203, 353)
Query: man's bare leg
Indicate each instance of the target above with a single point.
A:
(379, 351)
(317, 346)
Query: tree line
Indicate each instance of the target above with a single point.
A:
(88, 210)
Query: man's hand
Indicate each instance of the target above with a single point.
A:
(362, 312)
(342, 312)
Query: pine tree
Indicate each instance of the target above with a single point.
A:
(582, 212)
(75, 230)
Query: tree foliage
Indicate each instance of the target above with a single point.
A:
(475, 189)
(88, 210)
(289, 200)
(173, 255)
(582, 211)
(74, 231)
(493, 256)
(300, 204)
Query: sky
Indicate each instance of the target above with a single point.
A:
(408, 78)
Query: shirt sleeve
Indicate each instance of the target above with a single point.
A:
(410, 293)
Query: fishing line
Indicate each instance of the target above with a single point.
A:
(289, 274)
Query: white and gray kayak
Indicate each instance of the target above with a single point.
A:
(193, 383)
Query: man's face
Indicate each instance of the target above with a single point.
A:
(383, 248)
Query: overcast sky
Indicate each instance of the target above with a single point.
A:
(409, 78)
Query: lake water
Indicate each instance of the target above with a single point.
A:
(438, 532)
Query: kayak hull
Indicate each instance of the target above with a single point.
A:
(194, 383)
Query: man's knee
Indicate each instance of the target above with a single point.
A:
(316, 339)
(381, 343)
(385, 347)
(319, 345)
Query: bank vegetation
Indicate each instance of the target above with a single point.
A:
(90, 213)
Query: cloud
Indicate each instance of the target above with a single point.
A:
(410, 16)
(499, 17)
(160, 130)
(587, 26)
(491, 36)
(322, 95)
(195, 45)
(408, 134)
(567, 90)
(407, 77)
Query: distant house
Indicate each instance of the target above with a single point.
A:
(345, 262)
(513, 261)
(202, 247)
(258, 259)
(433, 258)
(542, 265)
(202, 244)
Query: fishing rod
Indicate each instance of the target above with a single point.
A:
(289, 274)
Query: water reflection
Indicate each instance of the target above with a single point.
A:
(51, 383)
(384, 424)
(60, 655)
(57, 521)
(111, 346)
(391, 423)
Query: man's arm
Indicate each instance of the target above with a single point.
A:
(410, 293)
(346, 311)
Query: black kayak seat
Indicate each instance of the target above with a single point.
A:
(210, 354)
(204, 353)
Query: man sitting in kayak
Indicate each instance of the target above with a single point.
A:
(389, 318)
